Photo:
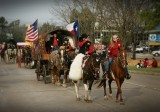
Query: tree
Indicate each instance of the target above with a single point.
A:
(3, 23)
(46, 27)
(151, 15)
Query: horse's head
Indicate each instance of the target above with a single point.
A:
(94, 63)
(123, 56)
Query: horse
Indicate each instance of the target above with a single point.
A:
(88, 74)
(117, 73)
(26, 56)
(55, 66)
(67, 58)
(11, 54)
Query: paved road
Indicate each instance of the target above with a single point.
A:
(21, 92)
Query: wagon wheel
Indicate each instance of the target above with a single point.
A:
(38, 70)
(44, 74)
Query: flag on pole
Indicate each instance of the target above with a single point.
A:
(32, 32)
(74, 28)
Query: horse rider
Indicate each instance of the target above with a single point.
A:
(85, 47)
(67, 45)
(113, 49)
(56, 42)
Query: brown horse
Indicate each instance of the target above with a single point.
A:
(55, 66)
(117, 73)
(90, 70)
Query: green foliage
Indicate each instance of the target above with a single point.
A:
(86, 19)
(151, 16)
(46, 27)
(3, 22)
(148, 70)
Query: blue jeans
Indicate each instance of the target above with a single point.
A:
(107, 64)
(55, 48)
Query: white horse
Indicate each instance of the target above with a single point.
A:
(88, 74)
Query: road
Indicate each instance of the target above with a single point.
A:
(21, 92)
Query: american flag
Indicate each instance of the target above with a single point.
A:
(32, 32)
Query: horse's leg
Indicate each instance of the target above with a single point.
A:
(65, 78)
(53, 76)
(110, 88)
(121, 98)
(118, 90)
(89, 90)
(58, 76)
(104, 87)
(76, 85)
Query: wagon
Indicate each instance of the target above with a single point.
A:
(42, 50)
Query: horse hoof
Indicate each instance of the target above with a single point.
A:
(78, 99)
(64, 85)
(106, 98)
(122, 103)
(117, 101)
(58, 84)
(89, 101)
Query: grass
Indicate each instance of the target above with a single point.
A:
(149, 70)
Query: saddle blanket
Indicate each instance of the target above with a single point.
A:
(75, 72)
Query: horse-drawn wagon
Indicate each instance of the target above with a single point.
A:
(45, 57)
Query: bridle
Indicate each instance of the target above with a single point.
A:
(95, 69)
(122, 57)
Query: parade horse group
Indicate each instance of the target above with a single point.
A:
(92, 67)
(88, 73)
(9, 53)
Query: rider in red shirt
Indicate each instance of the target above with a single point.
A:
(113, 49)
(85, 45)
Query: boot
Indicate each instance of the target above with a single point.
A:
(128, 76)
(105, 75)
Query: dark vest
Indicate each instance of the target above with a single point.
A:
(85, 47)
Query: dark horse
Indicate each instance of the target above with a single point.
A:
(117, 73)
(89, 72)
(67, 58)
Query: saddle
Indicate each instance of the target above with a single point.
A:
(84, 60)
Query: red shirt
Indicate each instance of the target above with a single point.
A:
(80, 44)
(113, 51)
(91, 48)
(145, 63)
(154, 63)
(55, 43)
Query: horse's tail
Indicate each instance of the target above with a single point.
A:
(102, 82)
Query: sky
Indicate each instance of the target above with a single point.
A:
(27, 11)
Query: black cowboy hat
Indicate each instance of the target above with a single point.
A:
(66, 39)
(83, 36)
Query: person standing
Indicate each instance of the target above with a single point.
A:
(56, 42)
(19, 56)
(113, 49)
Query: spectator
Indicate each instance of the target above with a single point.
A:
(19, 54)
(154, 63)
(139, 64)
(145, 63)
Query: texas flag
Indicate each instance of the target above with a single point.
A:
(74, 28)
